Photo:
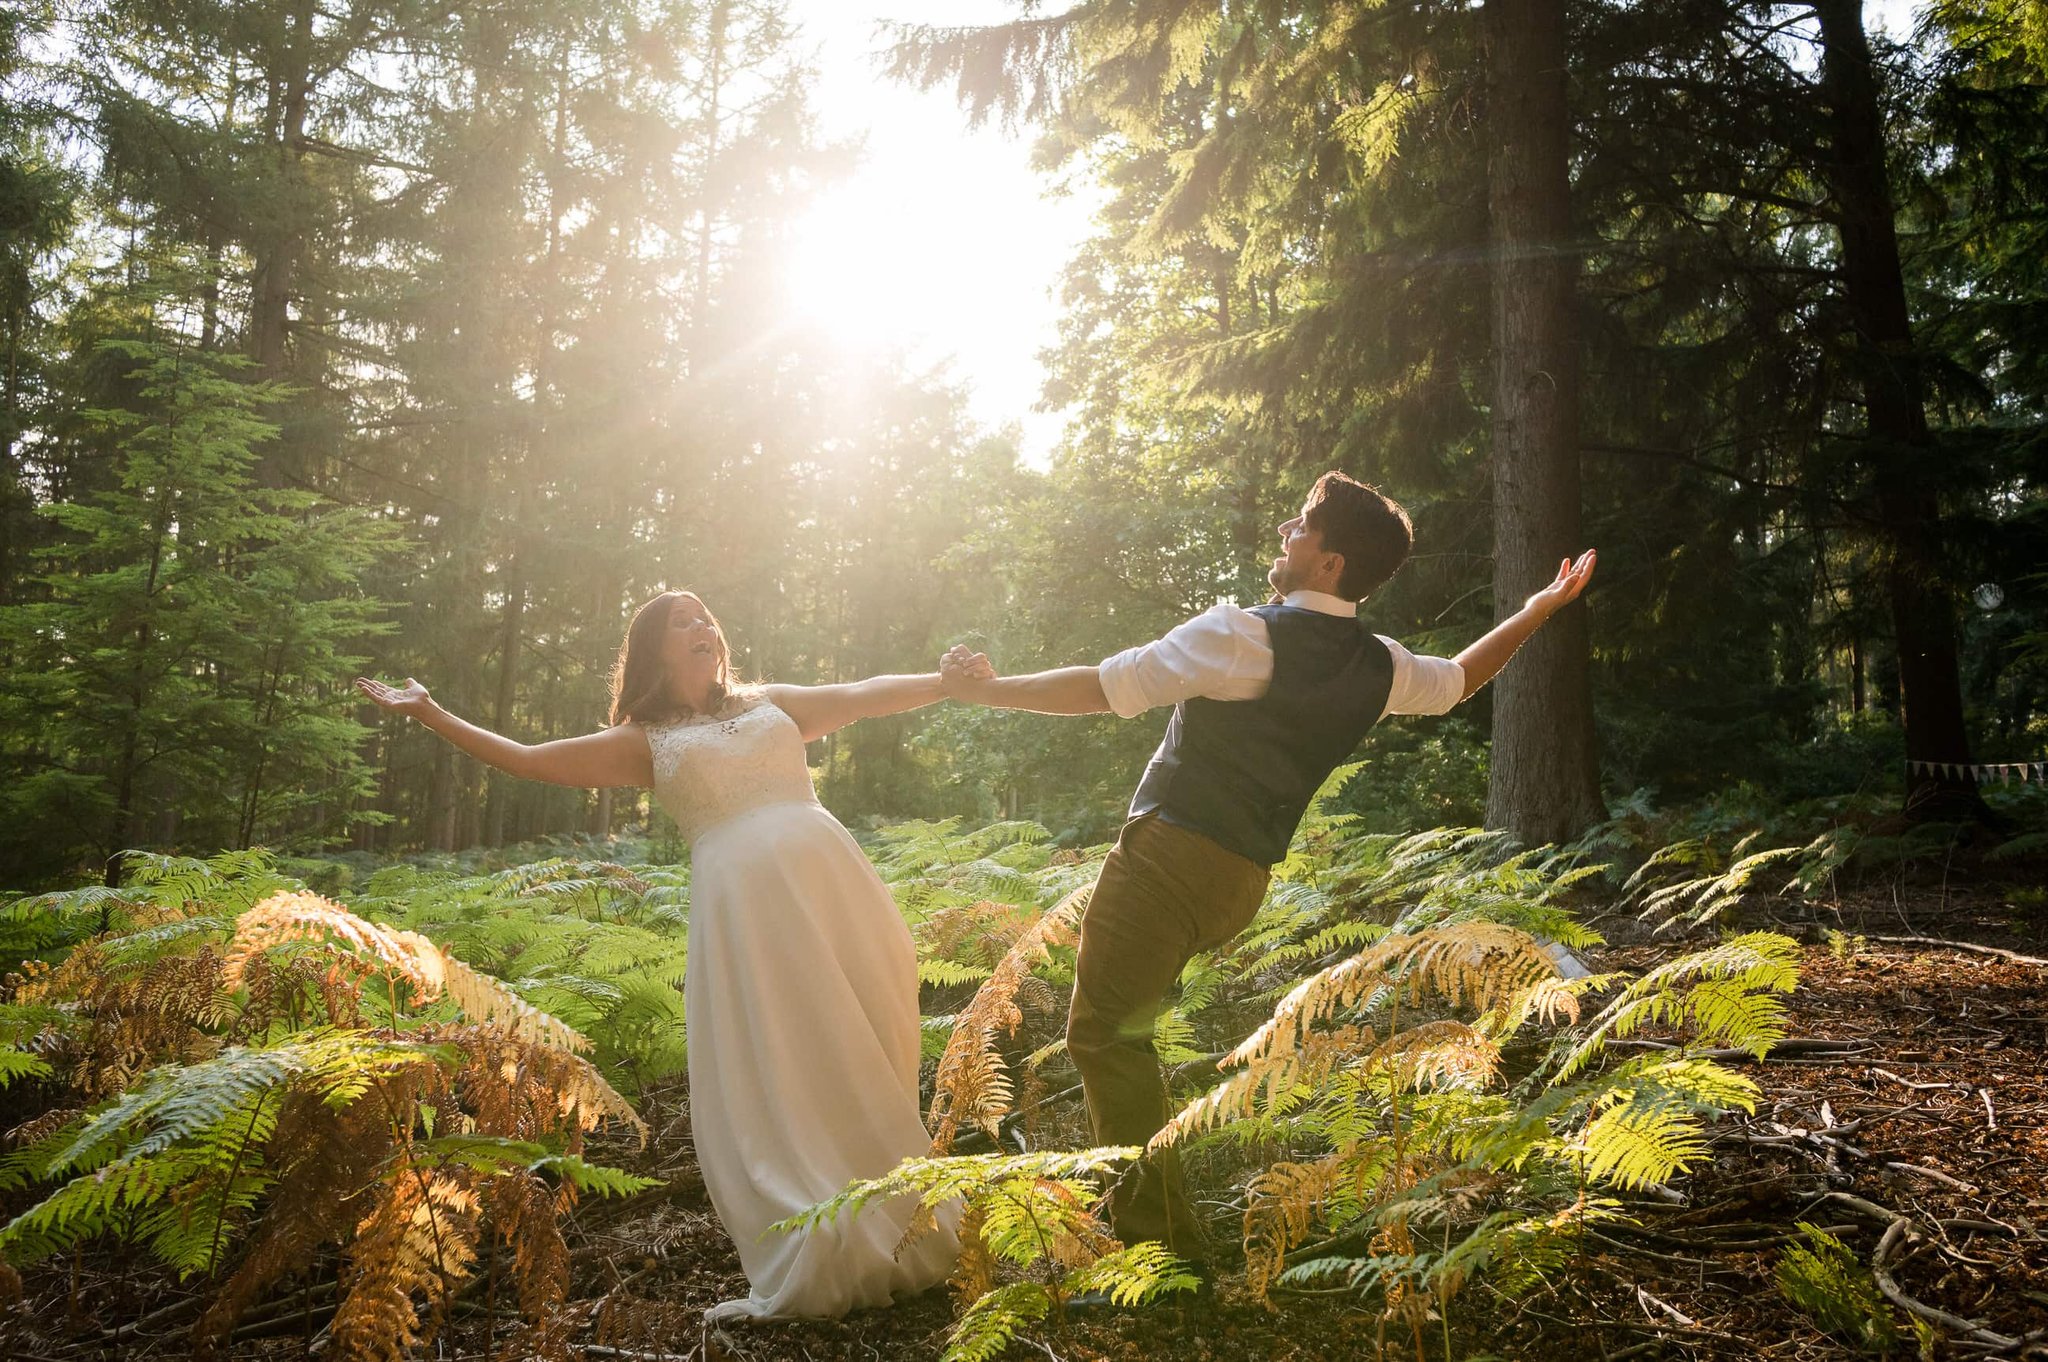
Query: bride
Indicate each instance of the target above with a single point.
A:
(800, 993)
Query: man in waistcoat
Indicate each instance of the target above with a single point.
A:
(1267, 702)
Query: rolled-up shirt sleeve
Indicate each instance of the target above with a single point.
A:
(1207, 656)
(1422, 685)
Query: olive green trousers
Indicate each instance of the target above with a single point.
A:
(1165, 894)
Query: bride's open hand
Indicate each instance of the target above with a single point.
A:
(962, 670)
(412, 700)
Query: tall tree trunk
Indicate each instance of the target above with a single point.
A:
(714, 43)
(278, 248)
(1545, 783)
(123, 823)
(1898, 444)
(500, 785)
(13, 497)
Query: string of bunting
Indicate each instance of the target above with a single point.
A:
(1983, 774)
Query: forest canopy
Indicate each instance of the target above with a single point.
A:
(427, 339)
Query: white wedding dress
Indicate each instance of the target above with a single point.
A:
(800, 1000)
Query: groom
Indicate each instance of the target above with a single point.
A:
(1267, 702)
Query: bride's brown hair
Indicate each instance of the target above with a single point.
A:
(639, 681)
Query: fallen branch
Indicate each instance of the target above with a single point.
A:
(1940, 944)
(1796, 1045)
(1901, 1230)
(1935, 1174)
(1909, 1083)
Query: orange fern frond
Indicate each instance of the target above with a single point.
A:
(1282, 1207)
(1436, 1052)
(288, 917)
(1483, 964)
(974, 1275)
(525, 1212)
(327, 1160)
(524, 1089)
(419, 1240)
(973, 1083)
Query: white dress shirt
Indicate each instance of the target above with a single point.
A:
(1225, 653)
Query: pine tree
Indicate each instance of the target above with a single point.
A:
(178, 671)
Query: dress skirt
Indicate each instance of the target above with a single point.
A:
(800, 999)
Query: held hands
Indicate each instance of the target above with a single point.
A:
(1570, 581)
(962, 672)
(413, 700)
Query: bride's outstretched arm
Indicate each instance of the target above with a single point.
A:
(1064, 690)
(616, 756)
(819, 710)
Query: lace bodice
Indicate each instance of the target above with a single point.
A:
(709, 768)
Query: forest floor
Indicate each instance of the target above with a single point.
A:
(1909, 1116)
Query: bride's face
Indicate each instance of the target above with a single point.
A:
(692, 650)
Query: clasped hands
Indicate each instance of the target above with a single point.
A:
(962, 672)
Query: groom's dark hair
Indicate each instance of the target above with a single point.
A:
(1368, 527)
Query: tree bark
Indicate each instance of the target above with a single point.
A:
(277, 250)
(1544, 784)
(1898, 444)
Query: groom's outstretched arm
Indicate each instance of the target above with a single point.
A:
(1063, 690)
(1483, 660)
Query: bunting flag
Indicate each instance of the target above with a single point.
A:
(2002, 771)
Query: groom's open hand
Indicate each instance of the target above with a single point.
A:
(962, 670)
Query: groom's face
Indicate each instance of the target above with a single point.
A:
(1303, 563)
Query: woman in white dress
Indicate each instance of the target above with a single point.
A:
(800, 995)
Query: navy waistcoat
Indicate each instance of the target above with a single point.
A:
(1242, 772)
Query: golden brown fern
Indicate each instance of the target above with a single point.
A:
(1281, 1207)
(296, 916)
(1447, 1053)
(576, 1087)
(979, 933)
(973, 1084)
(526, 1213)
(417, 1241)
(144, 1013)
(1315, 1055)
(974, 1275)
(328, 1160)
(525, 1089)
(1484, 965)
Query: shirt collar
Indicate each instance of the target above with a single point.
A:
(1321, 602)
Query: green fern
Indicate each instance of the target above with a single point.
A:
(986, 1328)
(1825, 1279)
(1729, 994)
(972, 1178)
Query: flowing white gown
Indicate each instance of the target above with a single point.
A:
(800, 999)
